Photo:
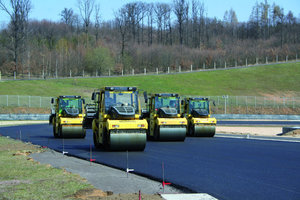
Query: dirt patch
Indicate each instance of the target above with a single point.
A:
(294, 133)
(94, 194)
(19, 148)
(23, 110)
(90, 194)
(259, 131)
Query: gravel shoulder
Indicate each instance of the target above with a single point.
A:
(103, 177)
(251, 130)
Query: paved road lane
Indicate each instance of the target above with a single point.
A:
(226, 168)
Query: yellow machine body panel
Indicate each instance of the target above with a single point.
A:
(204, 121)
(71, 121)
(126, 124)
(171, 121)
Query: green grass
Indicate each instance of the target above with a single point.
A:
(36, 181)
(259, 80)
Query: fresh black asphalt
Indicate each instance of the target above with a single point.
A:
(226, 168)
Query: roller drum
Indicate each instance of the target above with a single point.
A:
(204, 131)
(127, 141)
(72, 132)
(172, 133)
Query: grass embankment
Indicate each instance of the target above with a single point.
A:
(252, 81)
(22, 178)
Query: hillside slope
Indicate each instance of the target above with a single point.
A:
(282, 79)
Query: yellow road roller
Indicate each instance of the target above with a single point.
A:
(67, 117)
(197, 112)
(163, 117)
(117, 125)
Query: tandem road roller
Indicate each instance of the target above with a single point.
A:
(67, 117)
(163, 116)
(117, 125)
(197, 113)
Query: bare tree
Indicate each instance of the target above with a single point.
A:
(97, 21)
(67, 16)
(86, 9)
(18, 10)
(122, 23)
(150, 17)
(181, 11)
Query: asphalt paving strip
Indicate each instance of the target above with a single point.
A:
(226, 168)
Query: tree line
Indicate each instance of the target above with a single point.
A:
(142, 35)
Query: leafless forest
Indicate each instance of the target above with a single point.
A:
(142, 35)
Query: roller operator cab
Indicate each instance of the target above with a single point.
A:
(197, 112)
(163, 116)
(117, 125)
(67, 117)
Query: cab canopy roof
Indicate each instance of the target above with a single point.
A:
(166, 95)
(70, 97)
(118, 88)
(197, 98)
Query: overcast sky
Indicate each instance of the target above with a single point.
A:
(50, 9)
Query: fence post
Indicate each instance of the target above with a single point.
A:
(257, 61)
(96, 73)
(235, 63)
(132, 71)
(14, 75)
(179, 68)
(43, 74)
(122, 72)
(266, 60)
(82, 73)
(286, 58)
(191, 70)
(29, 75)
(246, 105)
(145, 71)
(56, 68)
(70, 73)
(293, 102)
(168, 70)
(214, 65)
(277, 58)
(203, 65)
(225, 97)
(246, 62)
(225, 65)
(108, 72)
(156, 70)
